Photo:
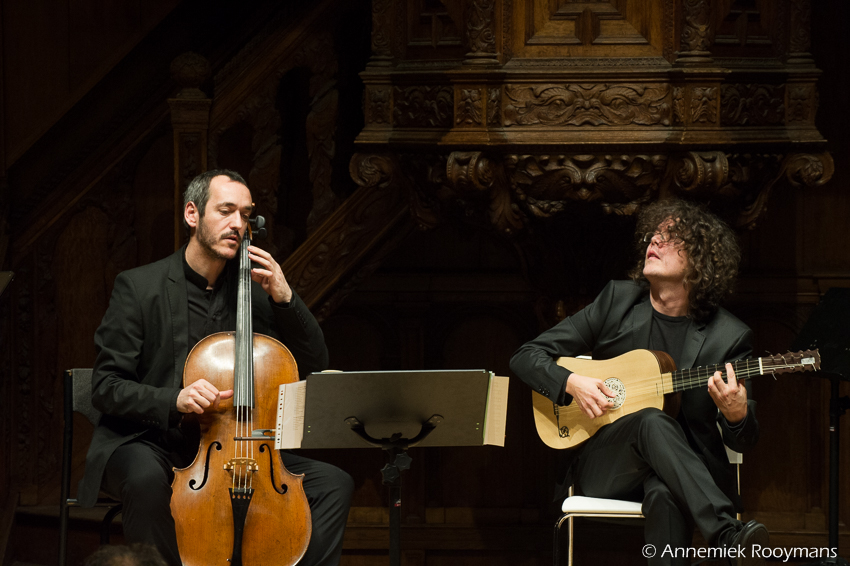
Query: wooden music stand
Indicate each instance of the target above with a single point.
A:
(396, 410)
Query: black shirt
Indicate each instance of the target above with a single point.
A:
(667, 334)
(206, 304)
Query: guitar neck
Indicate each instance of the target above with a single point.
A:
(684, 379)
(681, 380)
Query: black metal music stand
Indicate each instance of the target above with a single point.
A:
(827, 329)
(395, 410)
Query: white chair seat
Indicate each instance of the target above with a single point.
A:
(580, 505)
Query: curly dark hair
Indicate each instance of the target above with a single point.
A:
(137, 554)
(712, 250)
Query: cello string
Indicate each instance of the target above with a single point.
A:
(246, 352)
(249, 362)
(239, 375)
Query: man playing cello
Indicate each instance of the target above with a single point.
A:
(157, 313)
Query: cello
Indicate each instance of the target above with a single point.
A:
(236, 504)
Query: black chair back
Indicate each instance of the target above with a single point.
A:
(77, 399)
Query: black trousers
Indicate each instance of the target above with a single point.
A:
(139, 474)
(646, 457)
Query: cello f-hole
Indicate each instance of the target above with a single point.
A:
(217, 446)
(283, 487)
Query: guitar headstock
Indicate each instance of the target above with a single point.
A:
(807, 360)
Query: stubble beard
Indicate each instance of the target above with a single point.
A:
(208, 240)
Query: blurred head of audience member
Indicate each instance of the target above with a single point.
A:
(136, 554)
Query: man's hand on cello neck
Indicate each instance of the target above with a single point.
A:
(269, 275)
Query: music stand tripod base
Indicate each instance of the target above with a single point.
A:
(398, 460)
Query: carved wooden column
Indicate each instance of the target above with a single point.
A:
(697, 33)
(377, 95)
(695, 77)
(800, 22)
(481, 33)
(190, 121)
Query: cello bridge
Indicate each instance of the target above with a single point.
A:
(248, 463)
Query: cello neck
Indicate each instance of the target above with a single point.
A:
(243, 378)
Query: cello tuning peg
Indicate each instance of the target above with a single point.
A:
(260, 234)
(257, 223)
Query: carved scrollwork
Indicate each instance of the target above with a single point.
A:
(494, 106)
(698, 174)
(679, 105)
(800, 33)
(480, 35)
(546, 184)
(601, 104)
(697, 26)
(423, 106)
(752, 104)
(378, 105)
(704, 104)
(473, 172)
(372, 171)
(802, 103)
(469, 107)
(809, 170)
(382, 53)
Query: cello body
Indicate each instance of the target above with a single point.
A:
(236, 504)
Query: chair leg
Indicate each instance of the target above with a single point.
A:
(107, 522)
(570, 529)
(556, 546)
(63, 533)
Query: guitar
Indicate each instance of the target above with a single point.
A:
(643, 379)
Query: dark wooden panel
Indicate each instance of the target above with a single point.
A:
(55, 52)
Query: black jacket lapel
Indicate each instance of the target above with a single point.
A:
(178, 301)
(693, 344)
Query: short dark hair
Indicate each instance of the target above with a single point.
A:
(137, 554)
(198, 190)
(711, 245)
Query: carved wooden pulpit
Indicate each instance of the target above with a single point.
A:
(522, 109)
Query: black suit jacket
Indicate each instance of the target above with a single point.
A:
(618, 321)
(142, 346)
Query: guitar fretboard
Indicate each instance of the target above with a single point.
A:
(698, 377)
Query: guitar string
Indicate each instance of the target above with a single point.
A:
(683, 379)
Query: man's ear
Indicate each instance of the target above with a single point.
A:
(191, 215)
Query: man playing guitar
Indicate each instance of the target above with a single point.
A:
(677, 466)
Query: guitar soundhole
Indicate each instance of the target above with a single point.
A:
(619, 389)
